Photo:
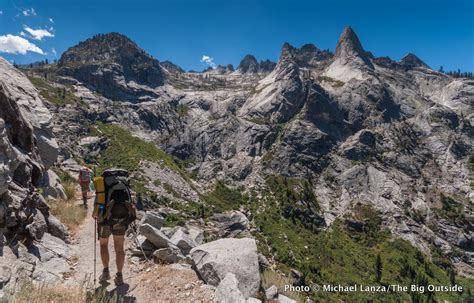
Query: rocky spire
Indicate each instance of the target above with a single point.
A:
(248, 64)
(349, 46)
(411, 60)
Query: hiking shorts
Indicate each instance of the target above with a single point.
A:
(117, 230)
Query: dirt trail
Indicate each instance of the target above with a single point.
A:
(84, 249)
(144, 281)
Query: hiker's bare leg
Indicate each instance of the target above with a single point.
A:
(119, 253)
(104, 251)
(84, 198)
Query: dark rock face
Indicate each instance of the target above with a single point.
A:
(411, 61)
(250, 65)
(112, 64)
(267, 66)
(171, 67)
(308, 55)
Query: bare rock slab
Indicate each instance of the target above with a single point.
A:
(214, 260)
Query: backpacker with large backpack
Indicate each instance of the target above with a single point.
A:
(113, 198)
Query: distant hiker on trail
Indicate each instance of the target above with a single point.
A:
(114, 211)
(85, 177)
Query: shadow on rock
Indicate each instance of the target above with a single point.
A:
(116, 295)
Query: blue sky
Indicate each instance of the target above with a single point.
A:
(439, 32)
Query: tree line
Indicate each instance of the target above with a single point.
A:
(457, 73)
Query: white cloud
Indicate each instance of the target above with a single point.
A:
(1, 13)
(29, 12)
(53, 51)
(38, 34)
(17, 45)
(51, 20)
(22, 33)
(209, 61)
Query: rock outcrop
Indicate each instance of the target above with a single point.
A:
(351, 61)
(215, 260)
(115, 66)
(27, 150)
(250, 65)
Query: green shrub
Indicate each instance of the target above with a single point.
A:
(58, 95)
(336, 256)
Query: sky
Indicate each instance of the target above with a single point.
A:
(195, 34)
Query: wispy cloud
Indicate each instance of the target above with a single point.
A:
(29, 12)
(1, 13)
(51, 20)
(17, 45)
(38, 34)
(53, 51)
(209, 61)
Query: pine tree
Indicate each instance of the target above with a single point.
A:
(378, 268)
(452, 277)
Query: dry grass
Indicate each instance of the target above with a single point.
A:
(270, 278)
(69, 213)
(70, 189)
(31, 292)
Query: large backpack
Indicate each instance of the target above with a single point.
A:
(118, 199)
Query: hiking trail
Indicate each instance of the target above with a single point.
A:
(143, 281)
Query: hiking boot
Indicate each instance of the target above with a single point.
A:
(118, 279)
(105, 276)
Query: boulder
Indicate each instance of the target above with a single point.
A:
(156, 237)
(298, 278)
(51, 185)
(285, 299)
(57, 229)
(214, 260)
(169, 231)
(263, 262)
(196, 234)
(253, 300)
(228, 291)
(143, 243)
(183, 241)
(53, 254)
(37, 227)
(271, 292)
(152, 218)
(168, 255)
(230, 223)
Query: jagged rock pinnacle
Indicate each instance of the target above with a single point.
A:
(248, 65)
(411, 60)
(348, 42)
(349, 46)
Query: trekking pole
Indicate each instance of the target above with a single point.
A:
(95, 249)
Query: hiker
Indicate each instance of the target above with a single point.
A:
(85, 177)
(114, 211)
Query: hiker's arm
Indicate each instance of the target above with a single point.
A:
(95, 212)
